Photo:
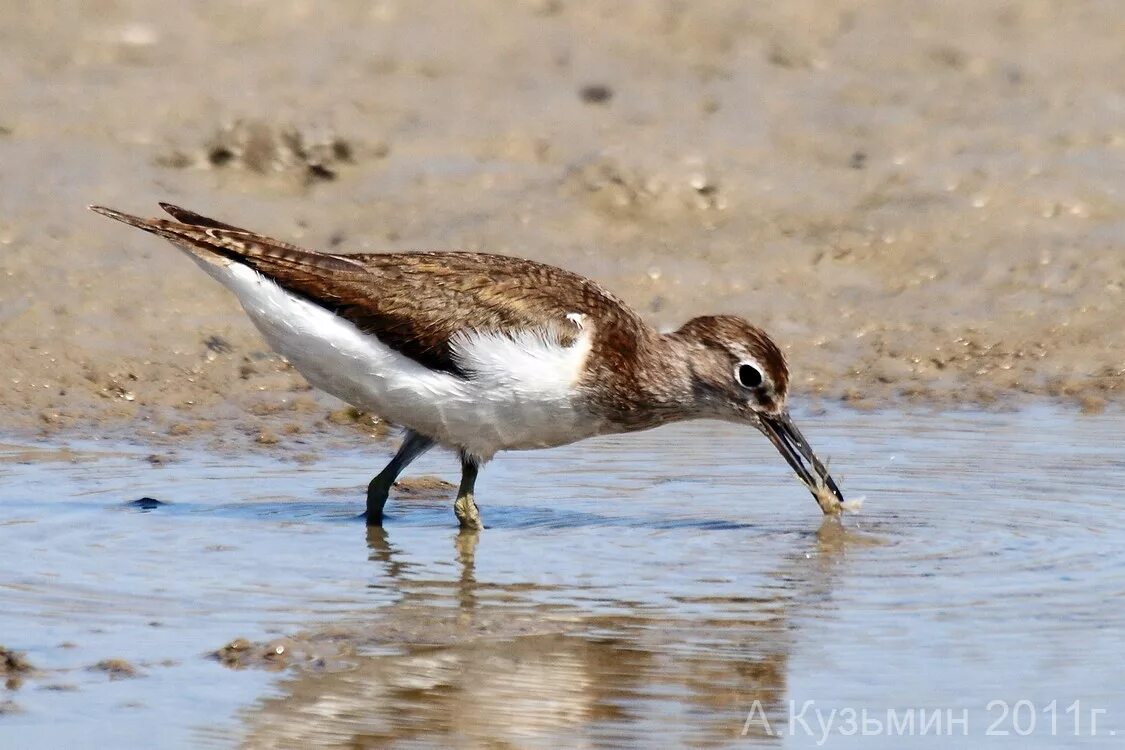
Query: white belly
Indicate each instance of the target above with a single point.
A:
(520, 392)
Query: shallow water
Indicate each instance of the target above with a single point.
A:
(643, 590)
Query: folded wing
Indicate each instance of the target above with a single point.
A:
(422, 304)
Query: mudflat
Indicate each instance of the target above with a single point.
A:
(921, 201)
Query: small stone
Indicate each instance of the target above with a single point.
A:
(13, 662)
(233, 654)
(218, 344)
(422, 485)
(595, 93)
(266, 437)
(145, 503)
(346, 415)
(117, 669)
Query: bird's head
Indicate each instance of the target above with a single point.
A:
(739, 374)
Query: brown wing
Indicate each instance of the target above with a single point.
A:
(413, 302)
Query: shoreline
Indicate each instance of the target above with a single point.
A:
(306, 429)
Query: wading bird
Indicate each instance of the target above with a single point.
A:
(482, 353)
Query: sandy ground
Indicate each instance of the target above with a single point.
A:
(922, 201)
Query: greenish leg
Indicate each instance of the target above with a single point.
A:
(413, 445)
(465, 507)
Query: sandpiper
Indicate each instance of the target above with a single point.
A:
(482, 353)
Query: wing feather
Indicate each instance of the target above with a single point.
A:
(421, 304)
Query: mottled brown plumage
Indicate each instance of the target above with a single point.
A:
(419, 303)
(416, 301)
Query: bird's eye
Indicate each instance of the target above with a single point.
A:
(749, 376)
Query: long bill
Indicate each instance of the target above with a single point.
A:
(798, 453)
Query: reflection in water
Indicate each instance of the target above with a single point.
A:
(463, 660)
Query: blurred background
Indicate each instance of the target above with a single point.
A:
(920, 200)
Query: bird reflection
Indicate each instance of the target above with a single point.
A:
(459, 660)
(466, 545)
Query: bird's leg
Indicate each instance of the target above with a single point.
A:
(464, 507)
(413, 445)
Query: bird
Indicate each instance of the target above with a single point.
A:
(482, 353)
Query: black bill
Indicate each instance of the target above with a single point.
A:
(798, 453)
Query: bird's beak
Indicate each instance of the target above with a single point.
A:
(797, 452)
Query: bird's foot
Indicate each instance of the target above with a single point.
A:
(467, 513)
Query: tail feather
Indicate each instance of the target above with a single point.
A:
(210, 239)
(197, 220)
(149, 225)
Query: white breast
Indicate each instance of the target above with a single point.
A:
(519, 393)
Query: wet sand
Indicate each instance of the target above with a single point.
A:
(922, 201)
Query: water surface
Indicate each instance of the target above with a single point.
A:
(650, 590)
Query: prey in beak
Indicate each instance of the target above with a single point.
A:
(797, 452)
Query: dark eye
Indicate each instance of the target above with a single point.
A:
(749, 376)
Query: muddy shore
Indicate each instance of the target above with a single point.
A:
(922, 201)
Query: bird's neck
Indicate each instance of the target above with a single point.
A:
(660, 382)
(682, 355)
